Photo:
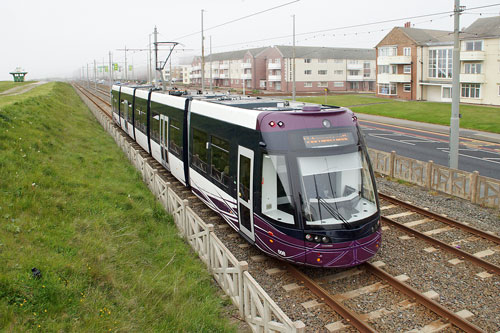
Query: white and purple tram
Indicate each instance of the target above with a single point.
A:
(293, 179)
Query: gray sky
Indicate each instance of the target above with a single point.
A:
(56, 38)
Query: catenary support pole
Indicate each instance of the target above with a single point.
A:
(202, 55)
(293, 66)
(455, 93)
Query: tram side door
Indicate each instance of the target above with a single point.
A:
(164, 139)
(245, 191)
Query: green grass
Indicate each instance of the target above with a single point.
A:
(73, 206)
(6, 85)
(483, 118)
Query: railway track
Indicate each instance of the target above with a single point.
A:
(341, 291)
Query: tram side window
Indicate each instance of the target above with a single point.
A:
(199, 155)
(130, 110)
(219, 154)
(140, 119)
(155, 126)
(124, 108)
(175, 137)
(276, 192)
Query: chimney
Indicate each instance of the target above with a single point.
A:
(407, 24)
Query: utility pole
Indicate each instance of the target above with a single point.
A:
(88, 79)
(110, 70)
(455, 93)
(211, 61)
(202, 55)
(155, 33)
(126, 69)
(95, 76)
(293, 65)
(149, 60)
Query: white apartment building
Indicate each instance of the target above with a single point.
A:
(271, 68)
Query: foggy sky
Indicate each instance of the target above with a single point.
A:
(56, 38)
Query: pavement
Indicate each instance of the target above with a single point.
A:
(21, 89)
(465, 133)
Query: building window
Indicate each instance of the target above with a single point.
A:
(388, 69)
(338, 84)
(387, 51)
(474, 45)
(307, 61)
(472, 68)
(498, 90)
(338, 72)
(322, 72)
(387, 89)
(407, 51)
(308, 72)
(353, 62)
(277, 86)
(446, 93)
(338, 61)
(308, 84)
(407, 69)
(322, 61)
(322, 84)
(471, 90)
(407, 87)
(440, 63)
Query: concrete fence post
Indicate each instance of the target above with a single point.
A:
(474, 186)
(242, 267)
(429, 174)
(392, 161)
(185, 203)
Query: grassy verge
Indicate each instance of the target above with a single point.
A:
(483, 118)
(6, 85)
(72, 206)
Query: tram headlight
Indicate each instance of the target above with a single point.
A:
(309, 237)
(317, 239)
(325, 239)
(326, 123)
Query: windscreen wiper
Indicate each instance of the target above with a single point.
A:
(335, 213)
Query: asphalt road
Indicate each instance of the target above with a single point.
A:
(426, 145)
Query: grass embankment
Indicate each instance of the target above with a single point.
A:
(483, 118)
(72, 206)
(6, 85)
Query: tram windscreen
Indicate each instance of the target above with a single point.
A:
(336, 189)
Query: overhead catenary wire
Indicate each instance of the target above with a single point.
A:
(238, 19)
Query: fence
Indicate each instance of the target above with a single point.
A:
(470, 186)
(255, 306)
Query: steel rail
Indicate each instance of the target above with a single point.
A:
(86, 94)
(478, 261)
(326, 297)
(441, 218)
(425, 301)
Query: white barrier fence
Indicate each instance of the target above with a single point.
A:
(255, 306)
(470, 186)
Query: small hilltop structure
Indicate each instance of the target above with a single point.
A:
(19, 74)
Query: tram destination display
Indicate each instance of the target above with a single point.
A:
(328, 140)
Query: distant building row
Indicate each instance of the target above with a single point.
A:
(271, 69)
(416, 64)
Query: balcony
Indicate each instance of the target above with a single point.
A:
(394, 60)
(472, 55)
(354, 77)
(246, 65)
(195, 76)
(223, 76)
(224, 66)
(472, 78)
(274, 78)
(246, 76)
(274, 65)
(196, 68)
(356, 67)
(391, 78)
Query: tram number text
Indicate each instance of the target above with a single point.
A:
(281, 253)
